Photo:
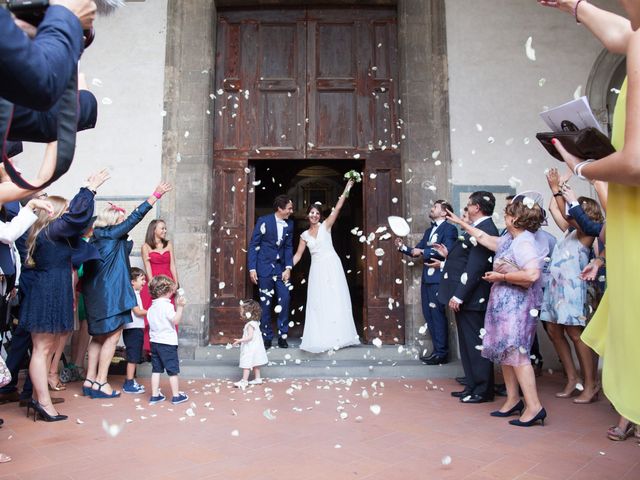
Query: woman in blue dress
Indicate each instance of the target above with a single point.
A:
(47, 308)
(107, 290)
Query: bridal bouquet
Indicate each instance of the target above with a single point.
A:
(353, 175)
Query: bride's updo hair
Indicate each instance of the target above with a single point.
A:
(316, 206)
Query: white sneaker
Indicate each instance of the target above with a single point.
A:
(241, 384)
(256, 381)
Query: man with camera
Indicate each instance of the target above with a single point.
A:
(35, 72)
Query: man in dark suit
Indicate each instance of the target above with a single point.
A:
(270, 258)
(466, 293)
(441, 232)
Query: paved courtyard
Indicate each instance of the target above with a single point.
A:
(314, 429)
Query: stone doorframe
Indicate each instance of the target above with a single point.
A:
(187, 151)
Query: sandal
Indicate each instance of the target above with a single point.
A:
(98, 393)
(86, 391)
(618, 434)
(55, 385)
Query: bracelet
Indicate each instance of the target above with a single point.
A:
(158, 195)
(601, 258)
(557, 194)
(575, 11)
(578, 170)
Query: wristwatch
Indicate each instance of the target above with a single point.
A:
(557, 194)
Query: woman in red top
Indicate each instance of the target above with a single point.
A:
(158, 258)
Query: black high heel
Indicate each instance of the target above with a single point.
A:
(517, 408)
(39, 411)
(31, 405)
(540, 416)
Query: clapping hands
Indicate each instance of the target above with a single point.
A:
(37, 204)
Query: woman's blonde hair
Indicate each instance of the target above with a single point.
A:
(59, 207)
(109, 216)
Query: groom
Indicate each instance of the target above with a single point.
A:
(270, 259)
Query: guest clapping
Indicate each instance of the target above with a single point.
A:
(47, 309)
(510, 321)
(564, 304)
(108, 292)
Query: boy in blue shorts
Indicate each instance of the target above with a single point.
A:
(163, 319)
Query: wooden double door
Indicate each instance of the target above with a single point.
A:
(306, 84)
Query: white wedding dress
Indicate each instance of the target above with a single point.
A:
(328, 322)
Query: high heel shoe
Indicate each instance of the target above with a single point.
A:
(517, 408)
(86, 391)
(572, 393)
(55, 385)
(591, 399)
(39, 411)
(540, 416)
(31, 405)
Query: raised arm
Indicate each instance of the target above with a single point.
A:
(298, 255)
(622, 166)
(328, 223)
(484, 239)
(9, 191)
(612, 30)
(11, 231)
(180, 303)
(135, 217)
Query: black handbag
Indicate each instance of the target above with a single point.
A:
(585, 143)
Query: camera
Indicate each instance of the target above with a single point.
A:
(32, 12)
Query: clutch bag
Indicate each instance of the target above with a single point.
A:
(585, 143)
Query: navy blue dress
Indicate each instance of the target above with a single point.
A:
(47, 306)
(106, 284)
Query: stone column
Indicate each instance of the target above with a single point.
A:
(425, 113)
(187, 154)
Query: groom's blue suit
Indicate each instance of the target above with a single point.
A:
(269, 256)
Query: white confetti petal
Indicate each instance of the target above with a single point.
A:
(446, 460)
(463, 278)
(107, 101)
(235, 433)
(375, 409)
(529, 50)
(112, 430)
(377, 342)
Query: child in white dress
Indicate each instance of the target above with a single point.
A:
(252, 351)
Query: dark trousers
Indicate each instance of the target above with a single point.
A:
(477, 369)
(273, 292)
(435, 318)
(18, 353)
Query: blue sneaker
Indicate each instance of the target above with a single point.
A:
(157, 399)
(131, 386)
(182, 397)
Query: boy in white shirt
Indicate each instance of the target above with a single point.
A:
(133, 334)
(163, 319)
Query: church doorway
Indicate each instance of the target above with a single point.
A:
(301, 96)
(307, 183)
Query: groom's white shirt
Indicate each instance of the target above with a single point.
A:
(281, 224)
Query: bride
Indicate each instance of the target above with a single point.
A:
(328, 320)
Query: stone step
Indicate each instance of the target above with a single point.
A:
(275, 354)
(227, 367)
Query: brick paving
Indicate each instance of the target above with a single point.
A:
(314, 429)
